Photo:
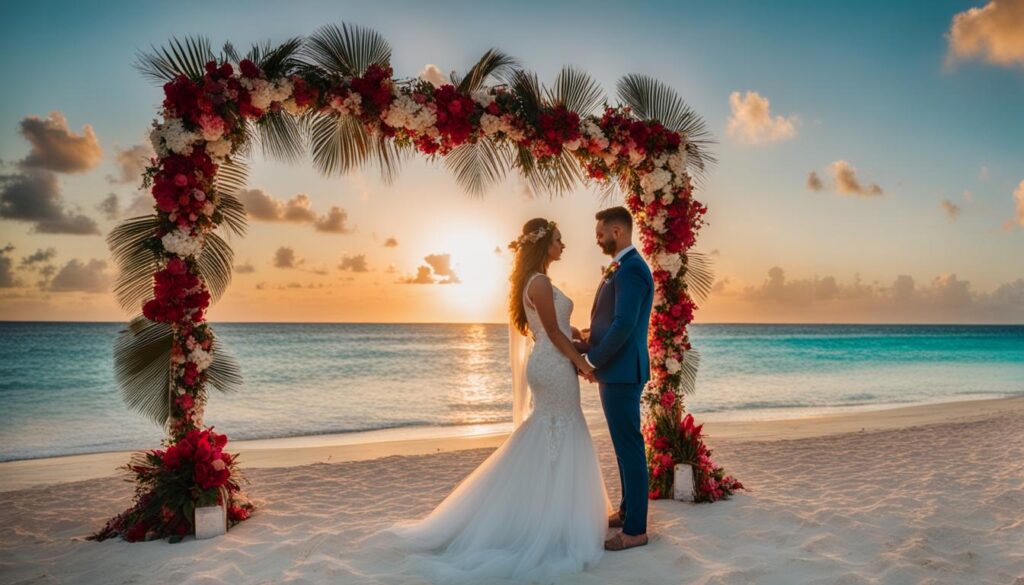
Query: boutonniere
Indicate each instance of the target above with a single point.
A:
(610, 270)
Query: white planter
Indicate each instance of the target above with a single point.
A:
(211, 521)
(682, 482)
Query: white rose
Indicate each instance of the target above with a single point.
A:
(483, 97)
(182, 243)
(219, 149)
(672, 365)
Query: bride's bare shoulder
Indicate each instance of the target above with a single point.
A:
(538, 285)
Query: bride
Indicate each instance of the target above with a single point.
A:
(537, 507)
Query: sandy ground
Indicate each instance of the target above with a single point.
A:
(917, 495)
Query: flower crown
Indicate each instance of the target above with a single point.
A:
(532, 237)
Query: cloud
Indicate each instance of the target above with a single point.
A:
(751, 121)
(993, 33)
(141, 204)
(34, 196)
(299, 209)
(355, 263)
(7, 279)
(246, 268)
(847, 183)
(952, 209)
(434, 75)
(131, 163)
(423, 276)
(436, 265)
(391, 242)
(814, 182)
(333, 222)
(284, 257)
(56, 148)
(945, 298)
(78, 277)
(40, 256)
(1018, 196)
(442, 266)
(262, 206)
(110, 207)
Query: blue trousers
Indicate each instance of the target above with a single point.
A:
(621, 404)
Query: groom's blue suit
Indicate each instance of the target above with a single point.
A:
(618, 352)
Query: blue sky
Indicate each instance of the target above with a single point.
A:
(866, 83)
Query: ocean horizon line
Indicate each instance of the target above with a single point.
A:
(759, 323)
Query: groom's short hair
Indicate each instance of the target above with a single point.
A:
(619, 215)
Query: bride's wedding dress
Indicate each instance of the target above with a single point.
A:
(537, 507)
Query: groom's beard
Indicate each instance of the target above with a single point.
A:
(608, 246)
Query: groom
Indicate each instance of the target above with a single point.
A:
(617, 351)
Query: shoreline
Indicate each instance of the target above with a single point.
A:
(312, 449)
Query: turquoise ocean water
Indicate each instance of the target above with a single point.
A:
(58, 394)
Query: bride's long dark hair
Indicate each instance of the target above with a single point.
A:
(530, 257)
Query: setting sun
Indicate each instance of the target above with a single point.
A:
(481, 265)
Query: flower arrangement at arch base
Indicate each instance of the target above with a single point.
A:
(669, 444)
(171, 483)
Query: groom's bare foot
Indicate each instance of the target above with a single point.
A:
(615, 521)
(622, 541)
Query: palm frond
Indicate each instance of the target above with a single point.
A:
(230, 52)
(348, 50)
(576, 90)
(493, 63)
(338, 144)
(699, 276)
(527, 89)
(478, 165)
(188, 58)
(609, 192)
(524, 161)
(276, 61)
(341, 144)
(689, 365)
(214, 265)
(279, 136)
(232, 177)
(651, 99)
(142, 356)
(561, 176)
(224, 373)
(135, 261)
(389, 157)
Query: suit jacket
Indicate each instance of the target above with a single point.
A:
(619, 322)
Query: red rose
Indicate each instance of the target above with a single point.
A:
(661, 443)
(136, 532)
(248, 68)
(172, 457)
(668, 399)
(176, 266)
(237, 513)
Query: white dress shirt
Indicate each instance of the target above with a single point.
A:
(618, 257)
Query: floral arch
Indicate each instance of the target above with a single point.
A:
(334, 91)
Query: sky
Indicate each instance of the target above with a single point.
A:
(871, 160)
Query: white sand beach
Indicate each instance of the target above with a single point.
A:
(923, 494)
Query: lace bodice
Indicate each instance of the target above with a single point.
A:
(552, 378)
(563, 313)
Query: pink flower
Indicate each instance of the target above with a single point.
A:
(668, 399)
(213, 127)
